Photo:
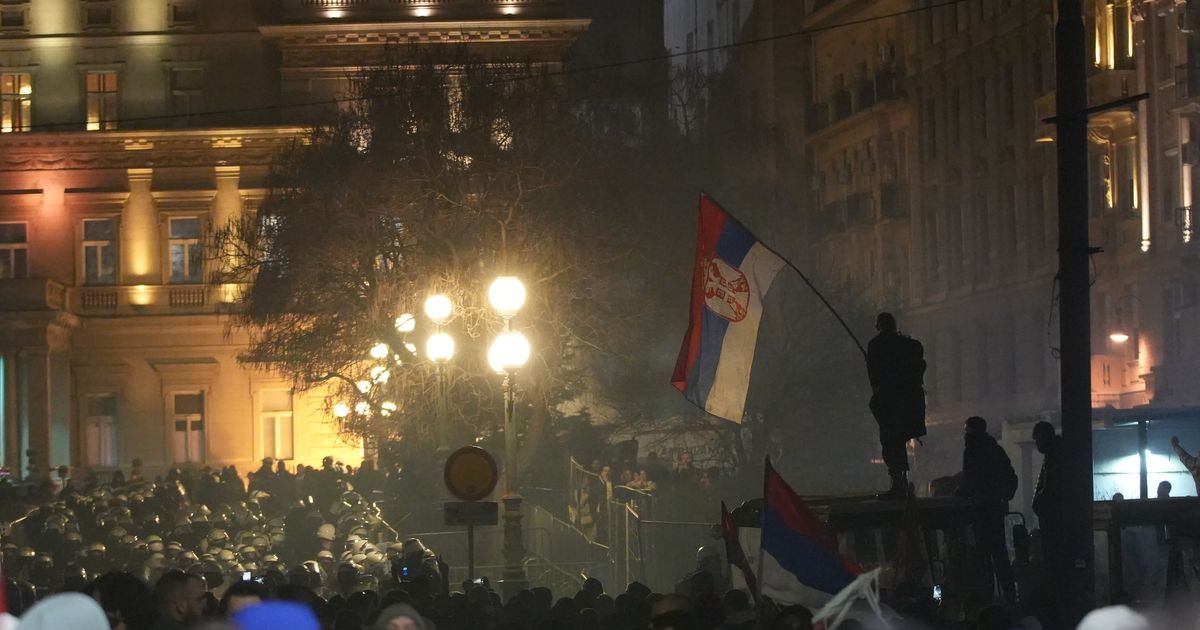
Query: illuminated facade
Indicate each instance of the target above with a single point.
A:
(128, 128)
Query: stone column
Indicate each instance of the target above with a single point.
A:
(140, 247)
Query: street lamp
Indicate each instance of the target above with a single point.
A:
(508, 353)
(507, 296)
(440, 349)
(438, 308)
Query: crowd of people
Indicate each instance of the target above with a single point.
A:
(289, 549)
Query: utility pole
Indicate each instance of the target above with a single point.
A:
(1075, 562)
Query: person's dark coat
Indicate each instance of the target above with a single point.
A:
(987, 471)
(896, 368)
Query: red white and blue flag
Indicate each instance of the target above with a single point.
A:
(799, 561)
(732, 289)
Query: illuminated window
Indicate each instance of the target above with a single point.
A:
(275, 418)
(99, 251)
(185, 248)
(14, 250)
(187, 91)
(16, 94)
(100, 430)
(187, 418)
(101, 100)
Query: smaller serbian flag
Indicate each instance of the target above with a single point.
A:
(734, 554)
(799, 562)
(731, 291)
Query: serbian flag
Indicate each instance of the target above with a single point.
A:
(799, 562)
(733, 285)
(734, 554)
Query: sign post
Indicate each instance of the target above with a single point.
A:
(471, 475)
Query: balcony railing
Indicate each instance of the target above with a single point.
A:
(188, 296)
(98, 299)
(883, 86)
(145, 299)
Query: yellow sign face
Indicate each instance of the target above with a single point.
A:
(470, 473)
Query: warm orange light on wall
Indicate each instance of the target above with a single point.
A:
(141, 295)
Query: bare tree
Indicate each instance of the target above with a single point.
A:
(438, 176)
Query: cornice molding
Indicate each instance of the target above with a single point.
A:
(51, 151)
(548, 30)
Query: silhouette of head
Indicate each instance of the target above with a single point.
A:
(1164, 490)
(885, 323)
(975, 424)
(1043, 435)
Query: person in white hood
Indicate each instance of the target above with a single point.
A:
(66, 610)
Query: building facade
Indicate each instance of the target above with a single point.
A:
(130, 127)
(917, 157)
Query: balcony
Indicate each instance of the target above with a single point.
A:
(31, 294)
(145, 299)
(865, 94)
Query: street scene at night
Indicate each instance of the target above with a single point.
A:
(599, 314)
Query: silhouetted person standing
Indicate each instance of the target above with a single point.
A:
(1047, 504)
(989, 480)
(896, 367)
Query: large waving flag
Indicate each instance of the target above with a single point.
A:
(799, 561)
(731, 286)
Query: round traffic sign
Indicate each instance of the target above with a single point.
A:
(471, 473)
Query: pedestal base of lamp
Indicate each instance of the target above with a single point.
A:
(513, 579)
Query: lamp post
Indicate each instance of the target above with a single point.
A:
(440, 349)
(507, 354)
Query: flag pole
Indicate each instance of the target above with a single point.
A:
(812, 287)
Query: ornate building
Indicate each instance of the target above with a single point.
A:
(912, 148)
(131, 126)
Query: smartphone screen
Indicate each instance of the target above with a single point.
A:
(246, 576)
